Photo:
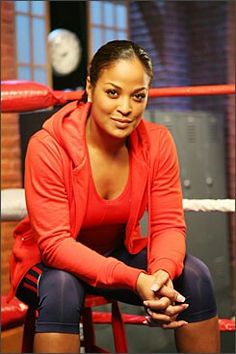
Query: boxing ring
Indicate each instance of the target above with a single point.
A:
(23, 96)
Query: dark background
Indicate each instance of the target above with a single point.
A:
(71, 15)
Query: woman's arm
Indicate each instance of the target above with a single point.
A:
(167, 245)
(167, 239)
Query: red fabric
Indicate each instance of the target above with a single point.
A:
(103, 227)
(56, 183)
(12, 313)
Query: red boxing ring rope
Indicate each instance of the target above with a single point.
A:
(192, 90)
(172, 91)
(20, 96)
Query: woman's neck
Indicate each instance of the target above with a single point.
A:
(98, 139)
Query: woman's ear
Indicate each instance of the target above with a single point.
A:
(89, 89)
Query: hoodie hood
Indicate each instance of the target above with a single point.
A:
(67, 127)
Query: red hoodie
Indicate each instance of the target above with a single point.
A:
(56, 185)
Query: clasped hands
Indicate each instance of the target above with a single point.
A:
(161, 301)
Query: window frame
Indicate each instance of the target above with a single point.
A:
(32, 65)
(103, 26)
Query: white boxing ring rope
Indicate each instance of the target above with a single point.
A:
(13, 206)
(222, 205)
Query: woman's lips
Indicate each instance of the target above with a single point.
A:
(121, 123)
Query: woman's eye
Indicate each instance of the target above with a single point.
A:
(112, 93)
(139, 97)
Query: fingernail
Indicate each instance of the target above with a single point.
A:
(145, 322)
(154, 287)
(148, 318)
(180, 298)
(145, 303)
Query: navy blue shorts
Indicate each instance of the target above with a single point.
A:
(59, 295)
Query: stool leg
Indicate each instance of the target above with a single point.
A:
(29, 329)
(88, 330)
(118, 329)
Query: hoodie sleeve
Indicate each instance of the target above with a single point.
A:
(49, 212)
(167, 242)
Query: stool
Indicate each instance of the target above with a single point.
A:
(12, 313)
(12, 320)
(89, 341)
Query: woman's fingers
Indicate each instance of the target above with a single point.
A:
(175, 310)
(164, 286)
(172, 294)
(157, 304)
(171, 325)
(167, 314)
(174, 324)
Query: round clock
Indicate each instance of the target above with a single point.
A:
(65, 51)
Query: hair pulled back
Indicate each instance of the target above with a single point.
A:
(116, 50)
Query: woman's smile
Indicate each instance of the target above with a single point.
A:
(121, 123)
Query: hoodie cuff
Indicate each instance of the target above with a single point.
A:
(126, 276)
(166, 265)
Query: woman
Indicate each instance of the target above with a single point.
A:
(91, 172)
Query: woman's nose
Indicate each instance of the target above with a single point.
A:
(124, 107)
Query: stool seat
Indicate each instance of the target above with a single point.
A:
(95, 300)
(12, 313)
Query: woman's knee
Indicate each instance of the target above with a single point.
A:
(197, 272)
(196, 284)
(196, 280)
(61, 297)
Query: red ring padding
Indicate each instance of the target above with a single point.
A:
(12, 313)
(225, 324)
(21, 96)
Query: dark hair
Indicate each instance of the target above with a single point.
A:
(117, 50)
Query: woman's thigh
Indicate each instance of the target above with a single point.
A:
(57, 295)
(61, 298)
(195, 284)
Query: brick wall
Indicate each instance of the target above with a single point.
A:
(159, 26)
(10, 148)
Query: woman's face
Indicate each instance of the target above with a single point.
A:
(119, 98)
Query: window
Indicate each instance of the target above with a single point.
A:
(31, 21)
(108, 20)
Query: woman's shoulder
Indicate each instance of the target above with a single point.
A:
(43, 145)
(41, 137)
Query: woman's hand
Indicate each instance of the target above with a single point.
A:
(158, 292)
